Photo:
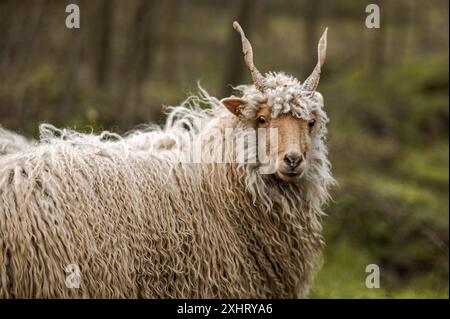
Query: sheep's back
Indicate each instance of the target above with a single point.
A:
(135, 224)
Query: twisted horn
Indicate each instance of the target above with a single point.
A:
(312, 81)
(257, 77)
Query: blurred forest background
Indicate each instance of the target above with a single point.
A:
(386, 92)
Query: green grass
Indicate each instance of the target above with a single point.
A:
(343, 276)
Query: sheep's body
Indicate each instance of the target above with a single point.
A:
(11, 142)
(139, 223)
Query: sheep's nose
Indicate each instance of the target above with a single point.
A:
(293, 159)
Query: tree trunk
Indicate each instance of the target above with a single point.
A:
(170, 41)
(311, 11)
(105, 15)
(136, 62)
(235, 66)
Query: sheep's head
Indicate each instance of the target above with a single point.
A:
(279, 101)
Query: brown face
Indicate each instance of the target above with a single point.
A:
(294, 138)
(294, 142)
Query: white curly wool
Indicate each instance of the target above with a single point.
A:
(11, 142)
(284, 94)
(140, 222)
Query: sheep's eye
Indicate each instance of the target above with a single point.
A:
(262, 120)
(311, 123)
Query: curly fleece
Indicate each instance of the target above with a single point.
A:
(141, 223)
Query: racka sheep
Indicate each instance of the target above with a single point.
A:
(90, 216)
(11, 142)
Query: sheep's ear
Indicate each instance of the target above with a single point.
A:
(234, 104)
(318, 97)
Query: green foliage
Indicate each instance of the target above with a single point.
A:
(389, 147)
(46, 80)
(388, 134)
(343, 276)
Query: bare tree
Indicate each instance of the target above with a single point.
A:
(136, 61)
(311, 10)
(234, 62)
(169, 41)
(378, 43)
(105, 15)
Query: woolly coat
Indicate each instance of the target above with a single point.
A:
(140, 223)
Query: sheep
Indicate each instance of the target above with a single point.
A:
(11, 142)
(134, 217)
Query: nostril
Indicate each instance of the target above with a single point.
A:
(293, 160)
(287, 159)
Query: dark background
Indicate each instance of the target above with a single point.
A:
(386, 92)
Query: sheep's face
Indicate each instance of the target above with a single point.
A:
(282, 102)
(297, 129)
(294, 141)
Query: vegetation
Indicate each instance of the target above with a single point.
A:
(386, 92)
